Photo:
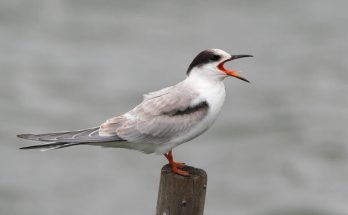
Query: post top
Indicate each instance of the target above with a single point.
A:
(193, 172)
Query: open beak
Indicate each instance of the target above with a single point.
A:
(233, 72)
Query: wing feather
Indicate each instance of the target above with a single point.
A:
(162, 116)
(80, 136)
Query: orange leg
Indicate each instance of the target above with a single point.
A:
(175, 165)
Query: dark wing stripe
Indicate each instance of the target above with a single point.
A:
(201, 106)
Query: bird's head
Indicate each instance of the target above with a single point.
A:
(210, 63)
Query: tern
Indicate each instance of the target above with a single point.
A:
(164, 119)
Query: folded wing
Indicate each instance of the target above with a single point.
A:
(162, 116)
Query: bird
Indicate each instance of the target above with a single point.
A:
(164, 119)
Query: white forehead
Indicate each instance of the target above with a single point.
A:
(221, 52)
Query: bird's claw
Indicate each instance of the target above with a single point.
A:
(178, 171)
(176, 166)
(179, 165)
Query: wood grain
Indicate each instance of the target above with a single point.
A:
(181, 195)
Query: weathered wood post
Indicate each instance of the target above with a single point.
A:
(181, 195)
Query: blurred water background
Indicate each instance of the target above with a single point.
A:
(278, 148)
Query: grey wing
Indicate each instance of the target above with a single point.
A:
(59, 140)
(80, 136)
(162, 116)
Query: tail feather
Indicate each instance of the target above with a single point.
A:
(57, 135)
(50, 146)
(86, 135)
(68, 138)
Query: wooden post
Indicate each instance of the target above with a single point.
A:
(181, 195)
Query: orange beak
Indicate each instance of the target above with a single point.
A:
(233, 72)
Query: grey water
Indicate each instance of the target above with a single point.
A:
(279, 147)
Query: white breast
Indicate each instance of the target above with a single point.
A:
(214, 94)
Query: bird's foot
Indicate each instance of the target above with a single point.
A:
(176, 166)
(178, 171)
(179, 165)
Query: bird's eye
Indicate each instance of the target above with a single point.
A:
(214, 57)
